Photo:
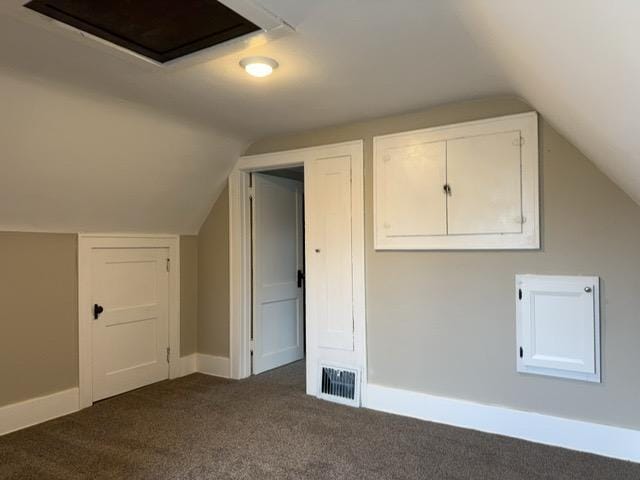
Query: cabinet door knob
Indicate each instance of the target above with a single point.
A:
(587, 289)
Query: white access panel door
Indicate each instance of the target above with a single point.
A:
(558, 326)
(412, 180)
(329, 261)
(131, 336)
(484, 178)
(278, 253)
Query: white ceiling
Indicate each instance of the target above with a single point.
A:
(347, 60)
(575, 61)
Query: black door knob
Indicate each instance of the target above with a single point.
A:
(97, 310)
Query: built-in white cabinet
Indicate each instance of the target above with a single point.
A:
(558, 326)
(471, 185)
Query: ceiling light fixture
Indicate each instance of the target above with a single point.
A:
(259, 66)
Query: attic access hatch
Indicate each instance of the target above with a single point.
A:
(161, 31)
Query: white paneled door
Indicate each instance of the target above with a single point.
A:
(130, 326)
(330, 262)
(278, 246)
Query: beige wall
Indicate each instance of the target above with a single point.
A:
(188, 294)
(39, 312)
(38, 315)
(444, 322)
(213, 280)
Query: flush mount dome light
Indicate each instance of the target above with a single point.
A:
(259, 66)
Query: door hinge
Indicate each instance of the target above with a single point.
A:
(168, 354)
(521, 352)
(168, 264)
(251, 191)
(252, 345)
(519, 294)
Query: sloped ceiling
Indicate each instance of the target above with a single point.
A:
(96, 140)
(578, 63)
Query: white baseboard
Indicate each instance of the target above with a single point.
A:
(588, 437)
(37, 410)
(211, 365)
(188, 364)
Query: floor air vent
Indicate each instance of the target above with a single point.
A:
(340, 385)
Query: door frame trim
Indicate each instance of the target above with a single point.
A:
(240, 246)
(87, 242)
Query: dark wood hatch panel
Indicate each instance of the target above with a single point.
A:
(162, 30)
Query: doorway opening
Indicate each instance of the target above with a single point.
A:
(334, 314)
(276, 206)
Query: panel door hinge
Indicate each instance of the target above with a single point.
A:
(252, 345)
(521, 352)
(251, 191)
(168, 264)
(519, 294)
(168, 354)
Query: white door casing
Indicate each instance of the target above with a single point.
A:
(351, 154)
(136, 252)
(131, 335)
(278, 254)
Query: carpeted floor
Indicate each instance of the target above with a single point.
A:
(200, 427)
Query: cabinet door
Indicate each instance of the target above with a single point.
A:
(329, 263)
(484, 175)
(558, 326)
(413, 200)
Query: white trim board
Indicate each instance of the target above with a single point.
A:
(87, 242)
(605, 440)
(33, 411)
(37, 410)
(206, 364)
(188, 364)
(212, 365)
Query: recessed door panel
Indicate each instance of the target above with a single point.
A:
(558, 326)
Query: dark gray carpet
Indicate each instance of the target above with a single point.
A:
(200, 427)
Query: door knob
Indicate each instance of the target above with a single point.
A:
(587, 289)
(97, 310)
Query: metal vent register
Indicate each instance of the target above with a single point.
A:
(341, 385)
